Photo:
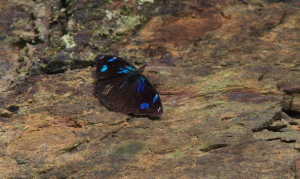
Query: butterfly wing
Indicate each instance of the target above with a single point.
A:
(147, 100)
(109, 66)
(117, 92)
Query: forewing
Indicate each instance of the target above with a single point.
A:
(109, 66)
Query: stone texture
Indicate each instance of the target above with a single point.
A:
(227, 72)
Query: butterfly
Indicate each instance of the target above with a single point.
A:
(124, 89)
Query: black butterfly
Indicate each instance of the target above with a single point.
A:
(124, 89)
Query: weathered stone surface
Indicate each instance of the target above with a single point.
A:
(295, 106)
(298, 167)
(289, 87)
(227, 72)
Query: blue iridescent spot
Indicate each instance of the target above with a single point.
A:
(101, 57)
(141, 84)
(125, 70)
(104, 68)
(113, 59)
(145, 105)
(155, 98)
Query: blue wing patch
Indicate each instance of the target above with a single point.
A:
(104, 68)
(125, 70)
(141, 84)
(155, 98)
(112, 59)
(145, 105)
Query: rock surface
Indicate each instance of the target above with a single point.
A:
(228, 74)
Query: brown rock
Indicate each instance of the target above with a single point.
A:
(226, 71)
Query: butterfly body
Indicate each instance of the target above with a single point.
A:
(124, 89)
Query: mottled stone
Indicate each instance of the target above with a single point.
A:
(289, 87)
(295, 106)
(227, 73)
(297, 168)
